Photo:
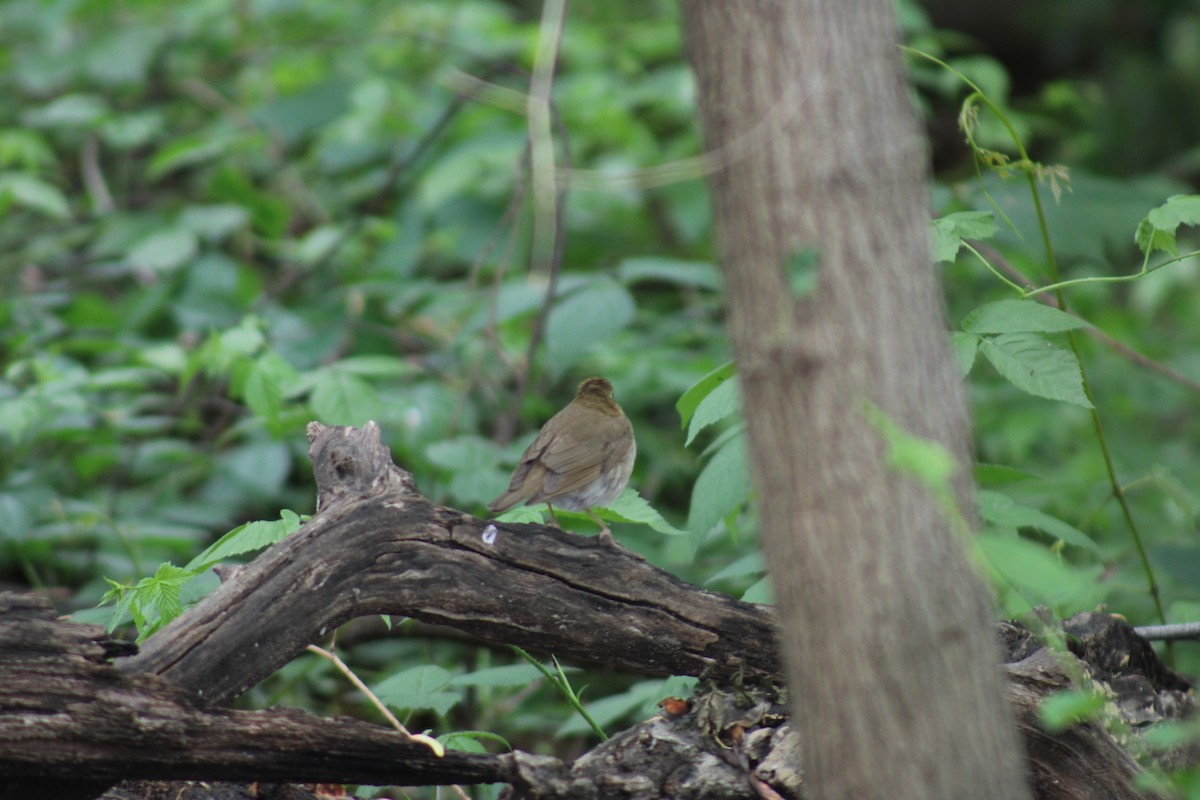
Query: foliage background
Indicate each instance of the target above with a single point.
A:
(222, 219)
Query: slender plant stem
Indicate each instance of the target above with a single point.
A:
(559, 679)
(1025, 165)
(433, 744)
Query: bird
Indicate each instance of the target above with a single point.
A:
(582, 457)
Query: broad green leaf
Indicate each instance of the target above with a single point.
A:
(268, 213)
(246, 538)
(511, 675)
(376, 366)
(1067, 707)
(524, 515)
(24, 149)
(471, 741)
(164, 250)
(1001, 511)
(950, 230)
(760, 592)
(1036, 365)
(426, 686)
(691, 399)
(632, 507)
(722, 487)
(1157, 230)
(612, 708)
(464, 453)
(723, 401)
(999, 474)
(585, 319)
(261, 466)
(964, 345)
(339, 398)
(1172, 733)
(69, 111)
(268, 383)
(185, 151)
(214, 222)
(670, 270)
(1020, 316)
(1029, 574)
(749, 564)
(476, 487)
(33, 194)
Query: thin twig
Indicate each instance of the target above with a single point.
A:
(548, 197)
(93, 176)
(336, 660)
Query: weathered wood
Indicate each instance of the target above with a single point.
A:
(67, 713)
(379, 547)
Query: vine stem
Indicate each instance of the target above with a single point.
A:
(559, 679)
(1057, 286)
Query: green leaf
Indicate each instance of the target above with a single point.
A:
(151, 602)
(524, 515)
(691, 399)
(723, 486)
(1036, 365)
(1068, 707)
(749, 564)
(760, 592)
(950, 230)
(339, 398)
(186, 151)
(1157, 230)
(670, 270)
(511, 675)
(376, 366)
(585, 319)
(1002, 512)
(267, 384)
(1172, 733)
(964, 345)
(34, 194)
(24, 149)
(632, 507)
(69, 111)
(426, 686)
(999, 474)
(464, 453)
(470, 741)
(612, 708)
(214, 222)
(725, 400)
(1020, 316)
(1028, 574)
(246, 538)
(164, 250)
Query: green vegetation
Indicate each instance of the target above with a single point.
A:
(221, 220)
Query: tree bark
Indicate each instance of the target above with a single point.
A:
(817, 156)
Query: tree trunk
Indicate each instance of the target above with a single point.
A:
(817, 158)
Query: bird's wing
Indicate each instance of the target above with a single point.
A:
(576, 459)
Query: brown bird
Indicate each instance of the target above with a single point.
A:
(581, 458)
